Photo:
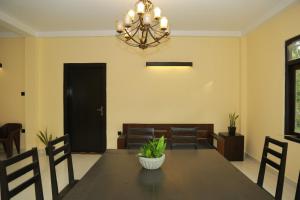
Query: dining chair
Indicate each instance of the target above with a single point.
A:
(183, 138)
(10, 133)
(137, 137)
(65, 151)
(297, 196)
(6, 178)
(280, 167)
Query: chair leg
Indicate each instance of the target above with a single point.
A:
(298, 189)
(17, 142)
(9, 148)
(4, 147)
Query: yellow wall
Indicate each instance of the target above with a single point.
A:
(265, 74)
(205, 93)
(243, 89)
(32, 85)
(12, 81)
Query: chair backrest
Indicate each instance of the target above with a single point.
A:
(53, 151)
(184, 137)
(280, 167)
(8, 128)
(6, 178)
(297, 197)
(137, 137)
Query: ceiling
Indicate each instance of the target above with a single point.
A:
(54, 17)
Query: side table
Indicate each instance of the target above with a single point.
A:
(231, 146)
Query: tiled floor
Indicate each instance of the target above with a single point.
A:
(250, 168)
(82, 163)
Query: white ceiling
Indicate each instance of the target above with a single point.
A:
(46, 17)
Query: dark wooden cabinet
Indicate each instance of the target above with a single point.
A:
(121, 142)
(231, 146)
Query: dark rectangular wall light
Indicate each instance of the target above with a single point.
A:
(169, 64)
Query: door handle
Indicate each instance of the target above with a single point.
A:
(100, 110)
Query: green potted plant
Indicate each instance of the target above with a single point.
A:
(44, 137)
(152, 155)
(232, 121)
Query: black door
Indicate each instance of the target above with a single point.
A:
(85, 106)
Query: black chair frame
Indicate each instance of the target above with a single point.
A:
(10, 133)
(6, 178)
(181, 137)
(137, 137)
(280, 167)
(297, 196)
(52, 151)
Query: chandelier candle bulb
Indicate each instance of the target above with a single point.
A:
(147, 19)
(127, 21)
(163, 23)
(131, 14)
(157, 13)
(140, 8)
(120, 27)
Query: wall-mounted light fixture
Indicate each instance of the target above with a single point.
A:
(0, 66)
(169, 64)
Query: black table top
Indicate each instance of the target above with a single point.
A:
(186, 174)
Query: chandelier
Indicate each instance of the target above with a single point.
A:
(144, 27)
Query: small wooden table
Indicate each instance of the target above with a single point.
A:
(186, 174)
(231, 146)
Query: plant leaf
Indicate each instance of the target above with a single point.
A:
(42, 139)
(154, 148)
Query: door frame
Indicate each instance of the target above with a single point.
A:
(66, 71)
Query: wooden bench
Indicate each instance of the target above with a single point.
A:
(204, 131)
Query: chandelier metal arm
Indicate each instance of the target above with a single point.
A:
(157, 43)
(154, 25)
(153, 37)
(146, 38)
(133, 29)
(136, 21)
(130, 44)
(130, 37)
(157, 40)
(136, 30)
(157, 31)
(126, 41)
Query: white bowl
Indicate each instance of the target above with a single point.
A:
(152, 163)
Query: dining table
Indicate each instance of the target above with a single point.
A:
(185, 175)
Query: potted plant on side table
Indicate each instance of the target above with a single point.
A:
(232, 121)
(152, 155)
(44, 137)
